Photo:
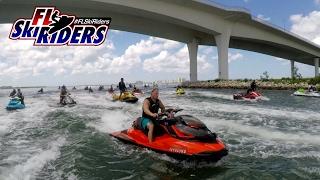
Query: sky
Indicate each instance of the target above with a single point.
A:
(139, 57)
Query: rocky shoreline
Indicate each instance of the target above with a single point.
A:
(236, 84)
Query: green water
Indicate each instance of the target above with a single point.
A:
(275, 138)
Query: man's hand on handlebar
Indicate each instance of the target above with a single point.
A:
(155, 115)
(169, 113)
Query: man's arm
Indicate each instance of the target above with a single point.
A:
(162, 106)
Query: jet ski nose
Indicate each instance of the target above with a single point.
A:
(213, 155)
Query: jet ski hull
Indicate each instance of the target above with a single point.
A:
(173, 147)
(15, 107)
(180, 92)
(308, 94)
(15, 104)
(251, 96)
(126, 97)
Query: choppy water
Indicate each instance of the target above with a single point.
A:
(277, 138)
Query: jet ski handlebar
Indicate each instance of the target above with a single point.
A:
(168, 114)
(172, 110)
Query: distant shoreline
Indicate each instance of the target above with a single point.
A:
(13, 87)
(245, 84)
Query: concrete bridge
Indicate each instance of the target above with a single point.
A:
(194, 22)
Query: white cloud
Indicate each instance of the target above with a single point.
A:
(234, 57)
(246, 1)
(134, 53)
(262, 17)
(307, 26)
(22, 59)
(115, 31)
(177, 62)
(207, 50)
(317, 1)
(284, 62)
(317, 40)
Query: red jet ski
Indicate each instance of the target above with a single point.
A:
(181, 137)
(137, 92)
(251, 95)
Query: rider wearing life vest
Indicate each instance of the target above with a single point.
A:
(150, 110)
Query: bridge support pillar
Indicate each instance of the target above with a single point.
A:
(316, 67)
(292, 69)
(193, 53)
(222, 42)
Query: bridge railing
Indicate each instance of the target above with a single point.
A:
(222, 6)
(267, 23)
